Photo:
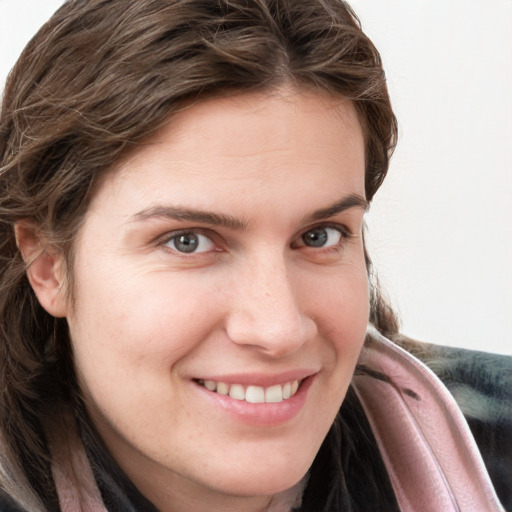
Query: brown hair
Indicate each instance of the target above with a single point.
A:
(99, 77)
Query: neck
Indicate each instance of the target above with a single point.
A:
(166, 492)
(187, 498)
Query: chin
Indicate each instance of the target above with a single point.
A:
(265, 479)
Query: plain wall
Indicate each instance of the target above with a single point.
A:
(440, 230)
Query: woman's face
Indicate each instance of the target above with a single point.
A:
(224, 256)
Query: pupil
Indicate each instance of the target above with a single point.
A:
(186, 243)
(315, 237)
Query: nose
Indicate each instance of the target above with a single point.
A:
(268, 310)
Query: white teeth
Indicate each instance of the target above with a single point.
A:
(210, 384)
(222, 388)
(253, 394)
(237, 392)
(274, 394)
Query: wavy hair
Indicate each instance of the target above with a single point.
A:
(96, 80)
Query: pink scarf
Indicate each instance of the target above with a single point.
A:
(431, 457)
(429, 452)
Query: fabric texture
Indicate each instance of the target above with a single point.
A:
(445, 441)
(428, 449)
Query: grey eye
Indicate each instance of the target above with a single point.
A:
(190, 242)
(321, 237)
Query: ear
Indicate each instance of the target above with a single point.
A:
(45, 268)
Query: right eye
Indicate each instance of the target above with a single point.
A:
(322, 237)
(190, 242)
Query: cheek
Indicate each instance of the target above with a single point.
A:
(342, 318)
(342, 303)
(134, 330)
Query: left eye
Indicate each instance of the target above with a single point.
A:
(322, 237)
(190, 242)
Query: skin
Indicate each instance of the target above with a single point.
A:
(254, 299)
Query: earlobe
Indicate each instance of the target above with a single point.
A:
(45, 268)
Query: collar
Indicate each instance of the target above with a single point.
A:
(426, 445)
(431, 457)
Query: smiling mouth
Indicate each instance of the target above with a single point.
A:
(253, 394)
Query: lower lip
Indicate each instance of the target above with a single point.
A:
(260, 415)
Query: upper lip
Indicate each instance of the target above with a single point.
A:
(260, 379)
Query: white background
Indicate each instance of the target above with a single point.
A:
(441, 227)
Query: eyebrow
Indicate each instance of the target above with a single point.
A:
(217, 219)
(189, 215)
(350, 201)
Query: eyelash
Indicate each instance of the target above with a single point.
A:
(345, 235)
(169, 237)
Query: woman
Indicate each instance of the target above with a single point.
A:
(185, 291)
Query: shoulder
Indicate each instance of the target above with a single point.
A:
(481, 384)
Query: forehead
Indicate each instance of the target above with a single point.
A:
(243, 139)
